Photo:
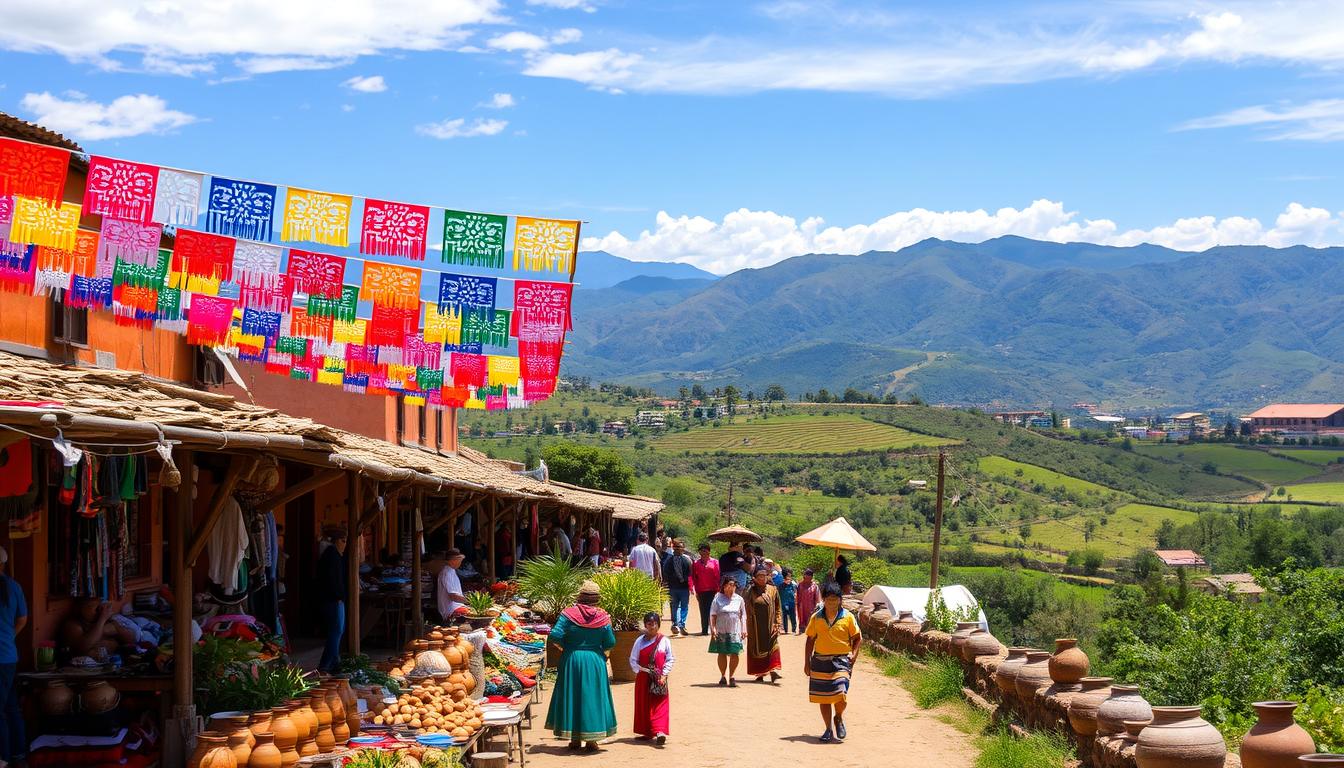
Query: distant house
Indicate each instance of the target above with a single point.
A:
(1197, 423)
(1298, 417)
(918, 485)
(670, 404)
(615, 428)
(651, 419)
(1241, 585)
(1041, 422)
(1180, 558)
(1138, 433)
(564, 427)
(1020, 418)
(1099, 421)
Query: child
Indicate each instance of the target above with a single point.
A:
(788, 590)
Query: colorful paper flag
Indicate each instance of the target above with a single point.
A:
(301, 323)
(502, 370)
(209, 320)
(201, 260)
(55, 266)
(128, 241)
(177, 198)
(316, 274)
(541, 310)
(442, 327)
(489, 329)
(391, 285)
(19, 273)
(467, 370)
(394, 229)
(422, 353)
(545, 245)
(242, 209)
(467, 293)
(390, 326)
(121, 189)
(343, 308)
(37, 223)
(475, 239)
(259, 322)
(89, 292)
(353, 332)
(318, 217)
(33, 171)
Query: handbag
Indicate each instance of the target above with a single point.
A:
(655, 689)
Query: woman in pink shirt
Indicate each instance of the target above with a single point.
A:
(705, 584)
(809, 596)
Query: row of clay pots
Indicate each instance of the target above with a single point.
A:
(57, 698)
(317, 723)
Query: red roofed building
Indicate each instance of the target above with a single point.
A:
(1180, 558)
(1298, 417)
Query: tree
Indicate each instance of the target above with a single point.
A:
(588, 466)
(698, 392)
(776, 393)
(684, 396)
(730, 397)
(1089, 530)
(1230, 429)
(679, 494)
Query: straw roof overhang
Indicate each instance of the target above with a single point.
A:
(620, 505)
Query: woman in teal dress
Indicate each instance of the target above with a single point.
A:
(581, 707)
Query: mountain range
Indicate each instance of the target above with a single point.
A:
(1006, 322)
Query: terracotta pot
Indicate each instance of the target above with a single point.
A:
(1132, 730)
(258, 722)
(218, 757)
(960, 634)
(436, 645)
(1179, 738)
(242, 751)
(266, 754)
(1321, 761)
(1069, 664)
(1275, 741)
(351, 703)
(99, 698)
(55, 698)
(1125, 703)
(1006, 674)
(340, 728)
(1033, 675)
(980, 643)
(207, 742)
(285, 735)
(1083, 707)
(620, 655)
(907, 617)
(305, 726)
(229, 723)
(326, 740)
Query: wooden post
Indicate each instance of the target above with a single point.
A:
(452, 529)
(180, 734)
(937, 525)
(417, 537)
(352, 541)
(517, 510)
(490, 532)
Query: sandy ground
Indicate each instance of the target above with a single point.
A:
(764, 725)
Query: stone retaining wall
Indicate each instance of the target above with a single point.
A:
(1047, 712)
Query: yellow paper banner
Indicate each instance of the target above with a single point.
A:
(349, 333)
(502, 370)
(473, 404)
(334, 378)
(317, 217)
(442, 327)
(37, 223)
(541, 245)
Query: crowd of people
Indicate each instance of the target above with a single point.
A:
(746, 601)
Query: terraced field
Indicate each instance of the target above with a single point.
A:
(1131, 528)
(1228, 459)
(1330, 493)
(797, 434)
(997, 466)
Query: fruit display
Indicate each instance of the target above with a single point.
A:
(408, 757)
(436, 705)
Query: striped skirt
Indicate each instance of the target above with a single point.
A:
(828, 681)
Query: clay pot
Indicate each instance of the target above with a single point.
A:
(207, 743)
(1069, 664)
(1179, 738)
(229, 723)
(959, 635)
(1083, 707)
(285, 735)
(980, 643)
(326, 740)
(1132, 730)
(340, 727)
(266, 754)
(258, 722)
(99, 698)
(1006, 674)
(218, 757)
(1275, 741)
(351, 703)
(242, 751)
(1033, 675)
(907, 617)
(1124, 704)
(1321, 761)
(55, 698)
(305, 726)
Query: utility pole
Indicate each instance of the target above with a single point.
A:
(937, 524)
(728, 509)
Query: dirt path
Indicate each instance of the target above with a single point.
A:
(759, 724)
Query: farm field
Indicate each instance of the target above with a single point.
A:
(998, 466)
(1330, 493)
(797, 434)
(1249, 462)
(1314, 455)
(1130, 528)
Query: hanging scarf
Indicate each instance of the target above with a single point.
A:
(587, 616)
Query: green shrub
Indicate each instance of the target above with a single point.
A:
(1322, 714)
(1037, 750)
(939, 681)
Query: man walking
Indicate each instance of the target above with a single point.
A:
(645, 558)
(676, 567)
(705, 582)
(733, 563)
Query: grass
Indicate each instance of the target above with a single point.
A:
(1321, 456)
(1002, 749)
(939, 681)
(1130, 528)
(797, 434)
(1329, 493)
(998, 466)
(1229, 459)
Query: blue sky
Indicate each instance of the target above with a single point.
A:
(729, 134)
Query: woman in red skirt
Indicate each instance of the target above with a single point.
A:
(651, 658)
(763, 620)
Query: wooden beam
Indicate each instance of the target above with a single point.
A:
(301, 488)
(490, 543)
(180, 529)
(238, 466)
(452, 532)
(352, 543)
(453, 514)
(417, 538)
(372, 511)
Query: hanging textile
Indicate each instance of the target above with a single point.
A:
(256, 269)
(121, 189)
(502, 370)
(89, 292)
(486, 329)
(37, 223)
(317, 217)
(241, 209)
(316, 274)
(297, 346)
(419, 352)
(353, 332)
(545, 245)
(154, 276)
(256, 260)
(127, 241)
(33, 171)
(209, 319)
(259, 322)
(342, 308)
(170, 305)
(394, 229)
(202, 255)
(391, 286)
(177, 198)
(474, 239)
(18, 274)
(467, 370)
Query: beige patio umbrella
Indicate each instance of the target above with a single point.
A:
(735, 533)
(837, 534)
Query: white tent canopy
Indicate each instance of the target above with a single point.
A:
(913, 599)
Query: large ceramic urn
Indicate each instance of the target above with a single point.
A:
(1276, 741)
(1083, 707)
(305, 726)
(1032, 676)
(980, 643)
(1124, 703)
(959, 635)
(1007, 671)
(242, 751)
(215, 747)
(326, 740)
(55, 698)
(285, 734)
(1069, 664)
(340, 727)
(258, 722)
(1179, 738)
(1320, 761)
(265, 754)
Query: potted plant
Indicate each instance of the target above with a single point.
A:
(627, 595)
(550, 584)
(480, 609)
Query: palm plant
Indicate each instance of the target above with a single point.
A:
(550, 583)
(479, 603)
(627, 595)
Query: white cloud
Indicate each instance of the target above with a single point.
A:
(528, 42)
(459, 128)
(79, 117)
(567, 5)
(566, 36)
(265, 65)
(1319, 120)
(501, 101)
(176, 36)
(369, 84)
(746, 238)
(347, 107)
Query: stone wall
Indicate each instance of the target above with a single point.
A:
(1048, 711)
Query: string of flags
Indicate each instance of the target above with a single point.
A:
(201, 255)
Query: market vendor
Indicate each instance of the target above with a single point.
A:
(89, 626)
(451, 601)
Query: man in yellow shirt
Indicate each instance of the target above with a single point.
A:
(833, 640)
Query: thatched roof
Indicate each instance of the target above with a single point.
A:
(16, 128)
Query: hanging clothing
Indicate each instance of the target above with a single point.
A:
(763, 620)
(652, 713)
(581, 707)
(227, 546)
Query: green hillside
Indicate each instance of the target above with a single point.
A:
(1329, 493)
(806, 434)
(1249, 462)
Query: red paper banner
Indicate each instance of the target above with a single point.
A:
(394, 229)
(33, 171)
(208, 320)
(467, 370)
(316, 274)
(202, 254)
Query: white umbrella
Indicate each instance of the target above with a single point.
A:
(838, 534)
